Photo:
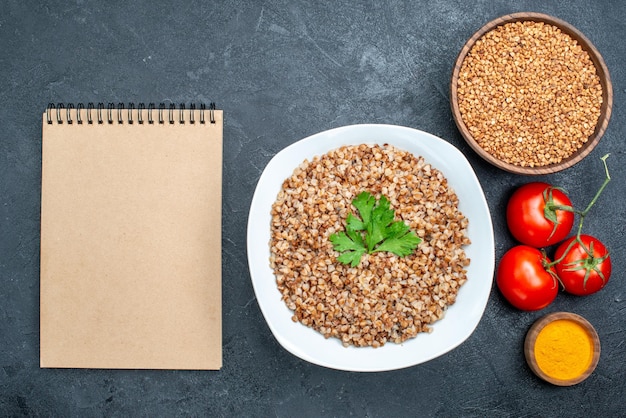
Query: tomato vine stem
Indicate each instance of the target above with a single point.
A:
(582, 214)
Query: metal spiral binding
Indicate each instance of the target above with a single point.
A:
(131, 107)
(110, 107)
(192, 107)
(79, 108)
(113, 113)
(140, 109)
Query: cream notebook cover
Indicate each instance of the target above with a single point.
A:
(131, 237)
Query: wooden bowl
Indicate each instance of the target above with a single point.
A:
(601, 70)
(531, 339)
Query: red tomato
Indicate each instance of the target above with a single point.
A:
(583, 270)
(524, 281)
(534, 216)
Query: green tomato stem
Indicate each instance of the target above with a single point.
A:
(582, 215)
(599, 192)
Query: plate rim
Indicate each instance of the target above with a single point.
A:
(286, 343)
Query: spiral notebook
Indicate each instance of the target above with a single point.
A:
(131, 237)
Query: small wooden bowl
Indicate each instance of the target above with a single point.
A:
(539, 325)
(601, 70)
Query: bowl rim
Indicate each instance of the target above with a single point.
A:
(601, 70)
(539, 325)
(461, 318)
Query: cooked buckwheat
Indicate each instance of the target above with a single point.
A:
(386, 297)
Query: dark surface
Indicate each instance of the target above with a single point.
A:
(283, 70)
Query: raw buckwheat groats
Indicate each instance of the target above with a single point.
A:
(529, 94)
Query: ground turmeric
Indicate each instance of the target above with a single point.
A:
(563, 349)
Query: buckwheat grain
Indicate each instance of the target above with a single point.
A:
(385, 298)
(529, 94)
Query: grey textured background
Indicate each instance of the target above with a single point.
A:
(283, 70)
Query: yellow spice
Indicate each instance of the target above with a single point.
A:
(563, 349)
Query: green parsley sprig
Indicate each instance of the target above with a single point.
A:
(375, 231)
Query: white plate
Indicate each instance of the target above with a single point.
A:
(460, 319)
